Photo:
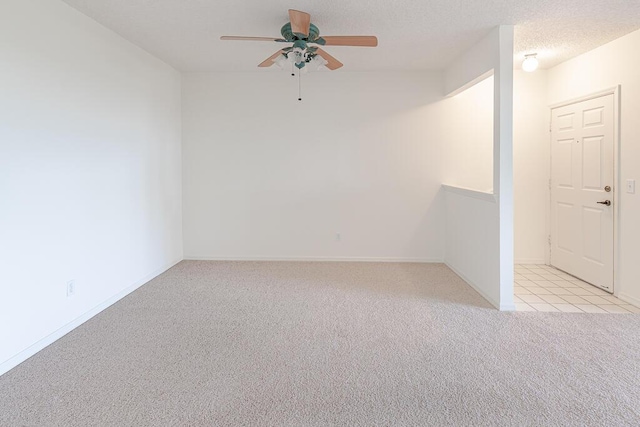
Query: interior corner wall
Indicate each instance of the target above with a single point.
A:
(613, 64)
(90, 171)
(351, 172)
(531, 161)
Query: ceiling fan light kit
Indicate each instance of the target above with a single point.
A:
(301, 32)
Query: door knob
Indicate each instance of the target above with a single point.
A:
(606, 203)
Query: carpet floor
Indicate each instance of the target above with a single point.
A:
(317, 344)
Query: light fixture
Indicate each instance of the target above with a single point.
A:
(282, 62)
(315, 63)
(297, 55)
(530, 62)
(300, 57)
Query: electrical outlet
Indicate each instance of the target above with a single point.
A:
(71, 288)
(338, 237)
(631, 186)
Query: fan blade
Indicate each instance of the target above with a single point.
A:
(332, 63)
(366, 41)
(299, 22)
(269, 61)
(259, 39)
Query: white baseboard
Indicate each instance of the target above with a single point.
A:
(15, 360)
(311, 258)
(496, 304)
(529, 261)
(507, 307)
(631, 300)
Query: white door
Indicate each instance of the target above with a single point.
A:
(582, 190)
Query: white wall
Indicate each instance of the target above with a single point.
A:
(270, 177)
(472, 242)
(616, 63)
(90, 171)
(482, 257)
(531, 166)
(468, 122)
(474, 65)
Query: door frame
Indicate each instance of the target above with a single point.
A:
(615, 91)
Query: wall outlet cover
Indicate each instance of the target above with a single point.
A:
(71, 288)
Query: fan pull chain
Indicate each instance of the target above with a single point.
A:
(299, 86)
(292, 73)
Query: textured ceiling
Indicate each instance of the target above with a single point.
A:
(413, 34)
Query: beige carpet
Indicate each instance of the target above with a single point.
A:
(316, 344)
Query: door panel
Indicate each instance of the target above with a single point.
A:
(565, 227)
(593, 117)
(565, 121)
(581, 168)
(564, 156)
(592, 223)
(592, 167)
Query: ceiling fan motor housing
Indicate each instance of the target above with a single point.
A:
(300, 44)
(290, 36)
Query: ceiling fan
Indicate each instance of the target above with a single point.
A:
(301, 32)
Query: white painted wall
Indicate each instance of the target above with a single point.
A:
(484, 259)
(90, 171)
(472, 240)
(531, 166)
(474, 65)
(616, 63)
(269, 177)
(468, 122)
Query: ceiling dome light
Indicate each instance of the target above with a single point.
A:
(530, 62)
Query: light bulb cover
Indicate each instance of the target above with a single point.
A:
(282, 62)
(530, 63)
(297, 56)
(316, 62)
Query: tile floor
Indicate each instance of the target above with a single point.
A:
(544, 288)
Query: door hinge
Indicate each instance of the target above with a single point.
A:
(549, 240)
(549, 184)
